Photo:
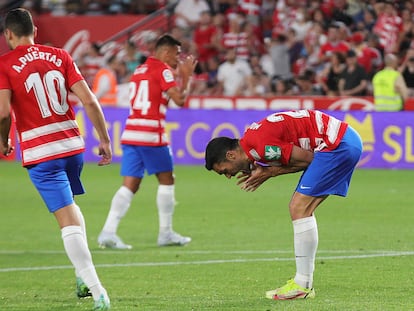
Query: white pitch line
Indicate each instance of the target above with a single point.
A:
(183, 251)
(208, 262)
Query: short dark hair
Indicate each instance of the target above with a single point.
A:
(217, 148)
(167, 40)
(20, 22)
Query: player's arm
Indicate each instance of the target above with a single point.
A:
(185, 69)
(5, 122)
(95, 114)
(299, 160)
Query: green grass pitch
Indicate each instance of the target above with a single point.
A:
(242, 245)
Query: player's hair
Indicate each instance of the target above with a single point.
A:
(166, 41)
(20, 22)
(217, 148)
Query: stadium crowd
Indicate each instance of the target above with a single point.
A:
(266, 47)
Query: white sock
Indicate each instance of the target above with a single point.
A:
(119, 207)
(81, 258)
(306, 242)
(81, 221)
(83, 227)
(165, 204)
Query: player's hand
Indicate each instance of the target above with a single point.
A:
(187, 66)
(258, 176)
(6, 149)
(242, 177)
(106, 152)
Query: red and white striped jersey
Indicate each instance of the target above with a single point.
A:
(39, 78)
(250, 7)
(148, 99)
(272, 139)
(388, 28)
(238, 41)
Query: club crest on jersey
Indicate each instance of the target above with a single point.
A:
(272, 153)
(168, 75)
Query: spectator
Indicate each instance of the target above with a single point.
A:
(334, 43)
(265, 60)
(256, 61)
(258, 83)
(368, 21)
(388, 26)
(353, 81)
(187, 14)
(368, 57)
(212, 70)
(235, 37)
(340, 13)
(279, 51)
(206, 39)
(408, 31)
(232, 75)
(390, 90)
(281, 87)
(313, 41)
(295, 44)
(132, 57)
(318, 17)
(254, 38)
(407, 71)
(305, 84)
(251, 8)
(90, 62)
(104, 85)
(187, 45)
(329, 77)
(301, 24)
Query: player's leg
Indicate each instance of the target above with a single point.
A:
(329, 173)
(78, 252)
(132, 170)
(57, 192)
(158, 161)
(73, 174)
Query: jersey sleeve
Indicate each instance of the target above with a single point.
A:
(167, 79)
(73, 73)
(264, 146)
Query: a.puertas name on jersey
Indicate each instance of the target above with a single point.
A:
(33, 54)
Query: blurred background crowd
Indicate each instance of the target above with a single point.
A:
(262, 47)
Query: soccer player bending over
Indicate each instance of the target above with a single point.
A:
(326, 149)
(35, 81)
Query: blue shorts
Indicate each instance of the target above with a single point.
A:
(58, 180)
(137, 159)
(330, 171)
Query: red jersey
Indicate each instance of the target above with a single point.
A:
(202, 37)
(368, 57)
(272, 139)
(388, 28)
(148, 100)
(39, 78)
(329, 47)
(238, 41)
